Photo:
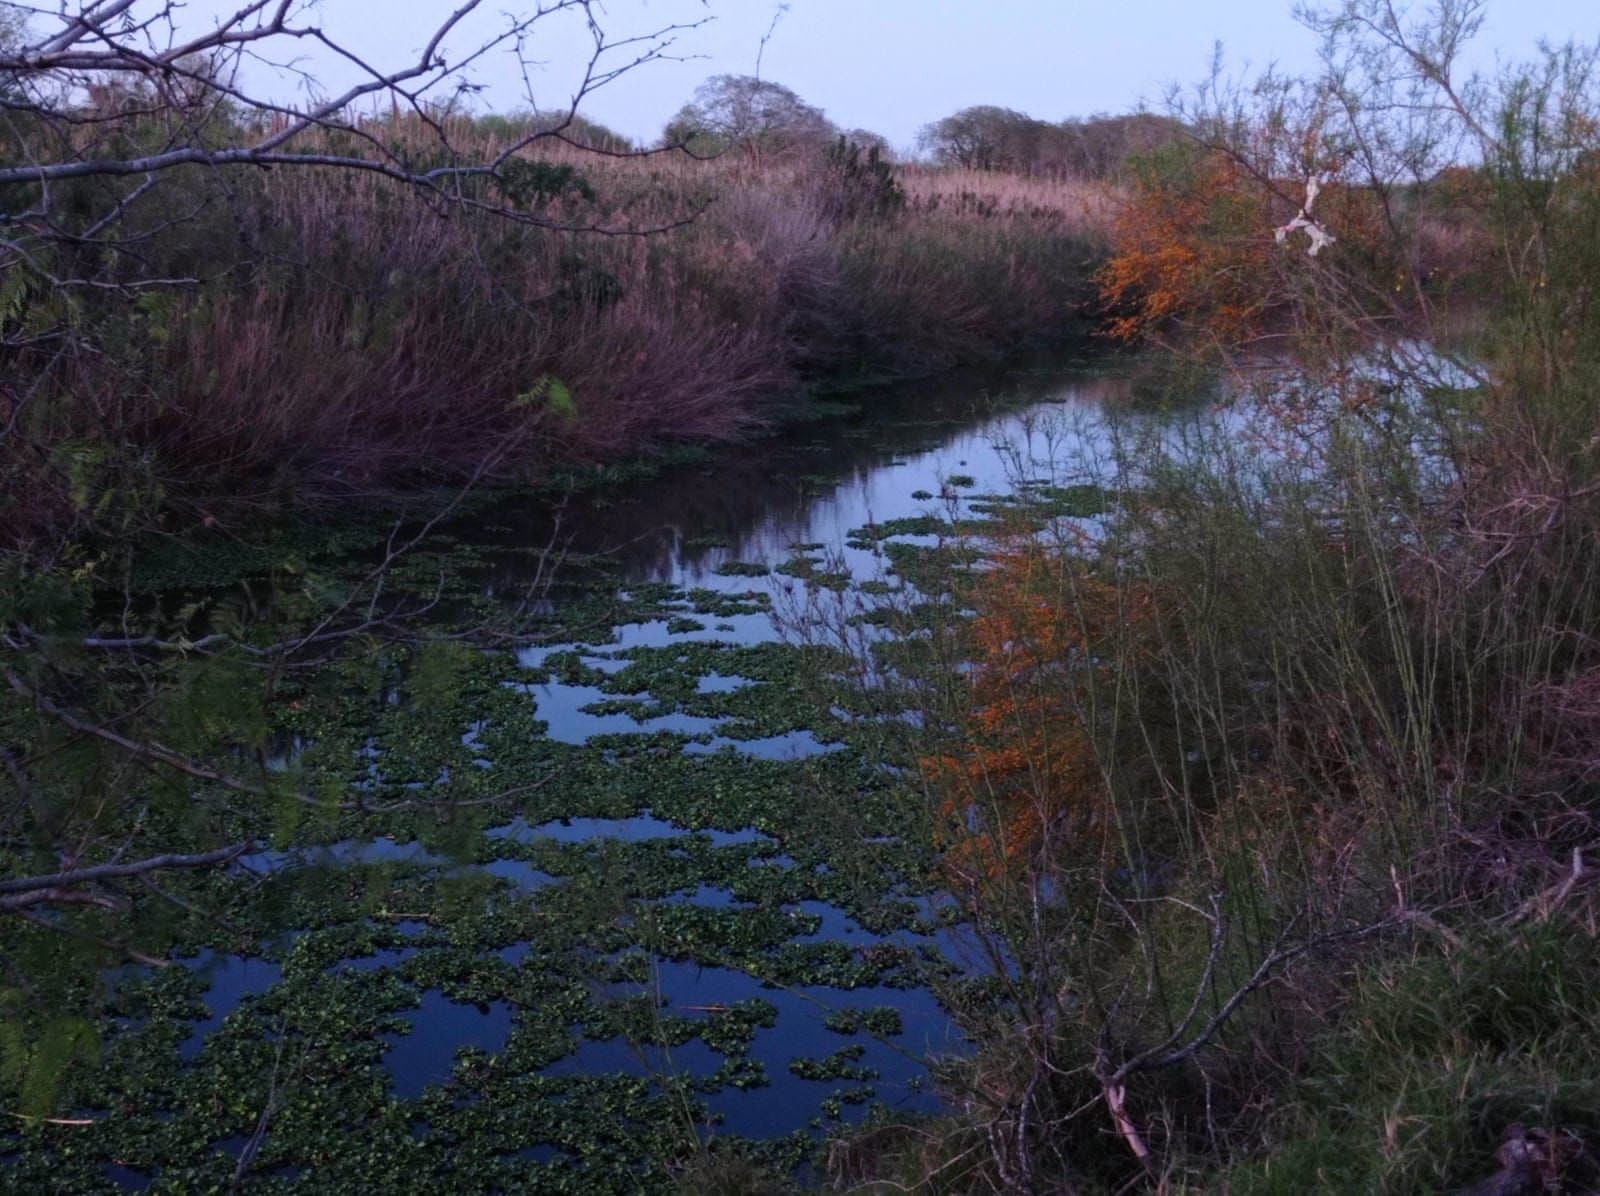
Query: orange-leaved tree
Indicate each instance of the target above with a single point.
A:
(1226, 242)
(1194, 246)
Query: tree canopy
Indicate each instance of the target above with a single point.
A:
(733, 110)
(988, 137)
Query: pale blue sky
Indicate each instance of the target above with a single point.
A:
(894, 65)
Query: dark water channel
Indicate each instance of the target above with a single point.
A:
(714, 530)
(815, 485)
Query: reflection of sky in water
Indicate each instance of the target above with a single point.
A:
(439, 1028)
(232, 979)
(704, 895)
(756, 502)
(716, 683)
(629, 830)
(791, 745)
(1038, 441)
(129, 1179)
(524, 876)
(561, 707)
(760, 502)
(618, 1056)
(690, 990)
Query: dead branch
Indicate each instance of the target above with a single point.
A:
(62, 897)
(193, 768)
(85, 876)
(186, 78)
(152, 751)
(1176, 1048)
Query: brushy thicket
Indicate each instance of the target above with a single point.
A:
(344, 336)
(1276, 785)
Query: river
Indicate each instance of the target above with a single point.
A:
(696, 916)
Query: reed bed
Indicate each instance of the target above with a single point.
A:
(336, 335)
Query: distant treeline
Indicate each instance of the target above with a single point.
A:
(1096, 147)
(761, 117)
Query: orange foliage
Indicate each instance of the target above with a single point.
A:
(1195, 242)
(1026, 776)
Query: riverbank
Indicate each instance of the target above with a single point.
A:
(343, 340)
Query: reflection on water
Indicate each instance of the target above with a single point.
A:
(439, 1027)
(935, 451)
(232, 979)
(756, 502)
(564, 709)
(690, 990)
(791, 745)
(629, 830)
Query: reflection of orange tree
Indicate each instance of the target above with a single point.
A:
(1021, 779)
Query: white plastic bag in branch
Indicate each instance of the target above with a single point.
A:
(1319, 235)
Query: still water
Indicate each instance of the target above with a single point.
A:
(677, 812)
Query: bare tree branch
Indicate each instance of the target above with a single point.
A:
(190, 79)
(84, 876)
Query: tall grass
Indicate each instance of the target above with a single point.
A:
(1274, 786)
(341, 336)
(1275, 789)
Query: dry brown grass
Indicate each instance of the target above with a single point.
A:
(1086, 207)
(352, 335)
